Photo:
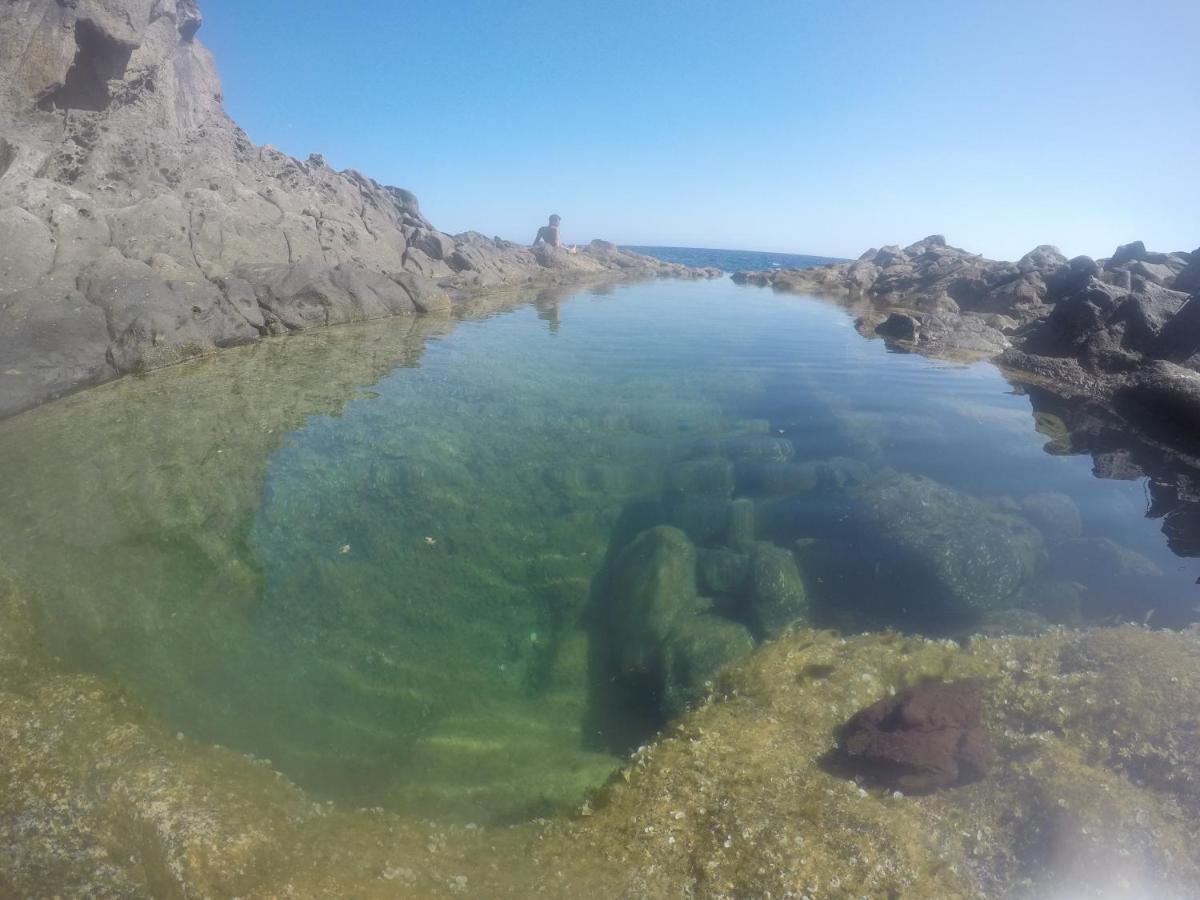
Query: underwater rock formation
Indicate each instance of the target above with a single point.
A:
(925, 738)
(665, 636)
(1095, 787)
(139, 226)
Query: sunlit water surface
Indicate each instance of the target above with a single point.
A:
(373, 555)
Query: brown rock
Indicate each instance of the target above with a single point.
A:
(926, 738)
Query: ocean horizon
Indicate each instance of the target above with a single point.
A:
(733, 260)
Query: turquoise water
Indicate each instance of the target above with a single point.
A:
(461, 567)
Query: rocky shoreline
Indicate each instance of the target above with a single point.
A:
(140, 227)
(1122, 332)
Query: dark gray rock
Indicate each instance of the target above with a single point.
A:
(901, 327)
(1126, 253)
(1188, 279)
(1179, 338)
(1145, 314)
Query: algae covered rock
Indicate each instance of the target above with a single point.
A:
(664, 635)
(1094, 791)
(953, 555)
(779, 596)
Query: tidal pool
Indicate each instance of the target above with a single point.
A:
(395, 559)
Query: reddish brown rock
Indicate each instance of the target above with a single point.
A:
(926, 738)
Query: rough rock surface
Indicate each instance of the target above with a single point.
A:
(139, 226)
(1123, 332)
(926, 738)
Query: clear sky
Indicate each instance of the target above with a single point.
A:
(789, 125)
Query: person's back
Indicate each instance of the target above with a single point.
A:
(549, 235)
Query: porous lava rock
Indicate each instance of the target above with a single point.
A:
(925, 738)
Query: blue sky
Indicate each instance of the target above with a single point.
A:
(788, 125)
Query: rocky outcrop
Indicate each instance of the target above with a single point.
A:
(1123, 331)
(139, 226)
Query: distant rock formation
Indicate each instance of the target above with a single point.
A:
(139, 225)
(1122, 331)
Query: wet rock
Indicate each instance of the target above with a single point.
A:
(1056, 600)
(779, 597)
(1055, 515)
(693, 653)
(709, 477)
(947, 552)
(663, 634)
(724, 572)
(705, 520)
(926, 738)
(741, 523)
(900, 326)
(999, 622)
(776, 478)
(758, 447)
(945, 332)
(1097, 558)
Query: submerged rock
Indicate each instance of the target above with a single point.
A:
(1095, 756)
(1089, 559)
(1055, 515)
(943, 551)
(664, 636)
(926, 738)
(779, 598)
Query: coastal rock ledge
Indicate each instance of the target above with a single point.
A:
(1122, 332)
(139, 226)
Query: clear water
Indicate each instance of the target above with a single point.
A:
(377, 555)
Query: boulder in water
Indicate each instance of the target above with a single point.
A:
(665, 636)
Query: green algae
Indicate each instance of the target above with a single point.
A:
(1096, 790)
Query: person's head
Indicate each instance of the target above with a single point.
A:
(554, 220)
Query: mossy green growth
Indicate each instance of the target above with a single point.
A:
(1095, 791)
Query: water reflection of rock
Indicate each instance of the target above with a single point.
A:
(1080, 425)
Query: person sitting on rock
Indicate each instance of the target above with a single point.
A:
(548, 235)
